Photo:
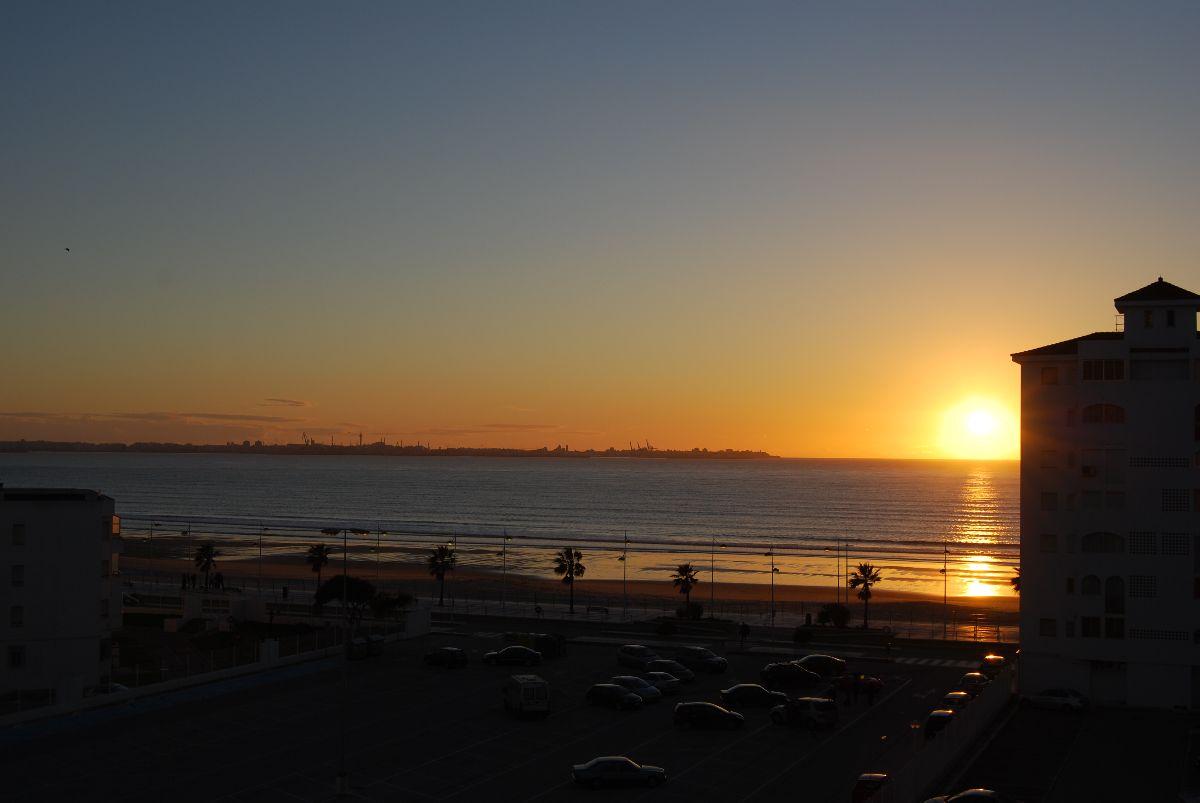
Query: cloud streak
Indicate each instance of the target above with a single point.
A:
(283, 403)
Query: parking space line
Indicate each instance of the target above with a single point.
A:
(817, 747)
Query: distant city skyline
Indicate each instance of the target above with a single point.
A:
(800, 228)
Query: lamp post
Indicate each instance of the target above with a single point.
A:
(774, 571)
(504, 567)
(378, 575)
(624, 575)
(712, 574)
(945, 572)
(261, 530)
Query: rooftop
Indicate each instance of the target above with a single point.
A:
(1068, 346)
(1157, 291)
(49, 494)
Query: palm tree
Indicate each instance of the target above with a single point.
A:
(1015, 581)
(442, 560)
(206, 559)
(685, 580)
(569, 563)
(863, 578)
(317, 557)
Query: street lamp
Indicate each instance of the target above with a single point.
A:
(774, 571)
(945, 572)
(261, 530)
(712, 573)
(378, 535)
(624, 584)
(504, 567)
(343, 782)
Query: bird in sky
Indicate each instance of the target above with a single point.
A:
(68, 250)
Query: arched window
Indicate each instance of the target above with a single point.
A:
(1090, 586)
(1103, 414)
(1103, 542)
(1114, 595)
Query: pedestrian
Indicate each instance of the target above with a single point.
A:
(537, 610)
(744, 633)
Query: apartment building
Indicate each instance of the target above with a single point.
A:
(59, 597)
(1110, 506)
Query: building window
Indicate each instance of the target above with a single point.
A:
(16, 616)
(1175, 543)
(1093, 500)
(18, 535)
(1103, 414)
(1175, 500)
(1114, 627)
(1049, 501)
(1170, 317)
(1091, 586)
(1148, 318)
(1103, 542)
(1103, 370)
(1143, 585)
(1114, 595)
(16, 656)
(1048, 627)
(1114, 500)
(1049, 458)
(1157, 635)
(1070, 585)
(18, 576)
(1142, 543)
(1050, 375)
(1089, 626)
(1048, 542)
(1196, 553)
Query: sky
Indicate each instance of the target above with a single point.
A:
(817, 229)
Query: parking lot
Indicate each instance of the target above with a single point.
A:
(417, 733)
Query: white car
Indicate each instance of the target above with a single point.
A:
(1061, 699)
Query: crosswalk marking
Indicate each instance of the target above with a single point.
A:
(960, 664)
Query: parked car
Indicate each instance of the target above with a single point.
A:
(550, 645)
(617, 771)
(612, 696)
(809, 712)
(969, 796)
(527, 695)
(956, 700)
(824, 665)
(449, 657)
(635, 656)
(992, 663)
(671, 667)
(642, 688)
(707, 715)
(701, 659)
(937, 721)
(789, 675)
(515, 655)
(364, 647)
(1062, 699)
(665, 682)
(973, 682)
(868, 785)
(748, 694)
(864, 683)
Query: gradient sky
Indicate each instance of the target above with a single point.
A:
(807, 228)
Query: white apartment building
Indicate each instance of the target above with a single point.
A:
(1110, 497)
(59, 598)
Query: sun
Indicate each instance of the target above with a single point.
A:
(979, 428)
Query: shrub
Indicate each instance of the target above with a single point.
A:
(692, 610)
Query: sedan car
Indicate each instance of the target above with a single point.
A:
(665, 682)
(788, 675)
(642, 688)
(956, 700)
(749, 694)
(707, 715)
(516, 655)
(701, 659)
(1062, 699)
(673, 668)
(938, 720)
(613, 696)
(635, 656)
(992, 663)
(811, 712)
(824, 665)
(449, 657)
(969, 796)
(617, 771)
(973, 682)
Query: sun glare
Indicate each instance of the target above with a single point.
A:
(979, 428)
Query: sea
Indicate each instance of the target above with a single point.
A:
(745, 517)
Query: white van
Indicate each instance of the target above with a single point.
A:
(527, 695)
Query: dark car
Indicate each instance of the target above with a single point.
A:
(672, 668)
(749, 694)
(613, 696)
(701, 659)
(992, 663)
(448, 657)
(639, 686)
(707, 715)
(550, 645)
(515, 655)
(868, 785)
(635, 656)
(937, 721)
(788, 675)
(973, 682)
(617, 771)
(824, 665)
(809, 712)
(956, 700)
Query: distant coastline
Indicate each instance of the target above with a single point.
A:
(381, 449)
